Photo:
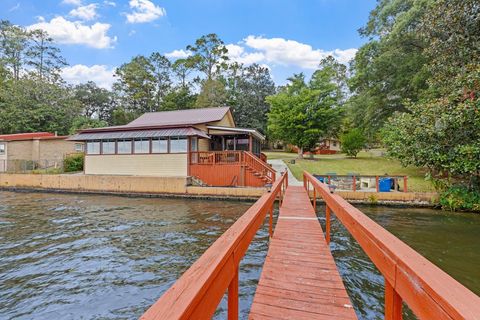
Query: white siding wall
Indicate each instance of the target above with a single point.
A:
(165, 165)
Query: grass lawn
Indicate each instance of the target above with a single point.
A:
(368, 163)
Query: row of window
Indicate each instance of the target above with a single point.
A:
(139, 146)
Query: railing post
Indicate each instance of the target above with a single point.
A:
(354, 183)
(405, 184)
(393, 303)
(314, 199)
(327, 223)
(376, 183)
(270, 229)
(233, 297)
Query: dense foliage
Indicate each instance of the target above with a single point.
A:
(73, 163)
(34, 97)
(352, 142)
(302, 113)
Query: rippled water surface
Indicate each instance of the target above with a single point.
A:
(449, 240)
(66, 256)
(107, 257)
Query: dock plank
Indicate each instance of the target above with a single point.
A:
(299, 278)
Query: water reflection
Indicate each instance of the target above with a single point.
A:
(86, 257)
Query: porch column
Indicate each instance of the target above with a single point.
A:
(250, 143)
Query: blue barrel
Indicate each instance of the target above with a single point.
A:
(385, 184)
(319, 178)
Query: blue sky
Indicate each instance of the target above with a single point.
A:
(96, 36)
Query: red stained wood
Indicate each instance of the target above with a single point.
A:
(299, 278)
(199, 290)
(425, 288)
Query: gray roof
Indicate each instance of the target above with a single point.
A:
(238, 130)
(132, 134)
(180, 117)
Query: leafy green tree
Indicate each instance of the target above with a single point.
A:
(248, 97)
(13, 47)
(161, 71)
(83, 122)
(44, 57)
(136, 85)
(97, 103)
(209, 55)
(352, 142)
(303, 113)
(178, 99)
(389, 69)
(182, 69)
(121, 116)
(213, 94)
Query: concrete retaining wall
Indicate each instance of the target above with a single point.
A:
(122, 184)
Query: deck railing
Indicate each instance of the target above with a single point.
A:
(197, 293)
(409, 277)
(233, 158)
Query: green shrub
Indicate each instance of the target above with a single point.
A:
(460, 198)
(352, 142)
(73, 163)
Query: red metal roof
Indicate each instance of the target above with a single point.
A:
(180, 117)
(29, 136)
(132, 134)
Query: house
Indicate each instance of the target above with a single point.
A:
(36, 150)
(325, 146)
(204, 144)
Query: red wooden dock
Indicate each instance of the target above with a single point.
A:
(300, 279)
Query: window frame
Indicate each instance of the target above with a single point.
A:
(167, 150)
(141, 140)
(122, 141)
(114, 151)
(90, 142)
(179, 138)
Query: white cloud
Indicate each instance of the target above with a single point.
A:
(110, 3)
(88, 12)
(237, 53)
(73, 2)
(178, 54)
(14, 8)
(144, 11)
(75, 32)
(293, 53)
(79, 73)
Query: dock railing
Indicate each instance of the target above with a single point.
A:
(197, 293)
(409, 277)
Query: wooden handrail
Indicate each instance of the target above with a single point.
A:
(260, 166)
(427, 290)
(197, 293)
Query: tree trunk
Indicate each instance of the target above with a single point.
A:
(300, 153)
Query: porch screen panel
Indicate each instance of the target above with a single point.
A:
(178, 145)
(124, 146)
(108, 147)
(142, 146)
(93, 147)
(159, 145)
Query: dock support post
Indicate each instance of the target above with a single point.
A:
(233, 297)
(327, 224)
(270, 228)
(405, 184)
(376, 183)
(354, 183)
(314, 199)
(393, 303)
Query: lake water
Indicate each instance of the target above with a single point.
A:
(66, 256)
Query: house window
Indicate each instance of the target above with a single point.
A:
(108, 147)
(160, 145)
(142, 146)
(78, 147)
(2, 149)
(334, 143)
(194, 144)
(124, 146)
(178, 144)
(93, 147)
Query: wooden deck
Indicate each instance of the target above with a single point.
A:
(300, 279)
